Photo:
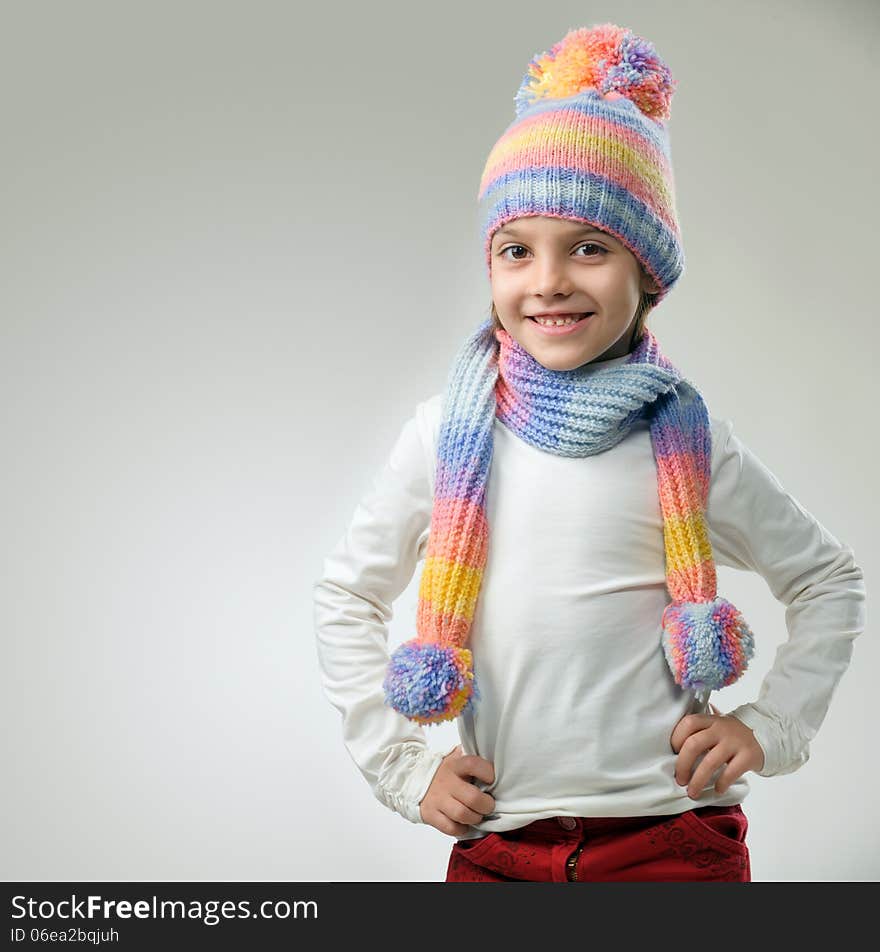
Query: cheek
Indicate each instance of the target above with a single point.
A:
(505, 291)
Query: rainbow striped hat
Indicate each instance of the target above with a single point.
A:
(590, 143)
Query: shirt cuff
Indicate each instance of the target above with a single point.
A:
(785, 750)
(405, 777)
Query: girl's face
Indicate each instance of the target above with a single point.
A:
(541, 264)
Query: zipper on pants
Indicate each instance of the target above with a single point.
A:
(571, 864)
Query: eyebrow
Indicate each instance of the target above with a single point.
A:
(583, 230)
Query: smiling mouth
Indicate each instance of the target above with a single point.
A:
(560, 321)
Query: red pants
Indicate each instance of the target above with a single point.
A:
(705, 844)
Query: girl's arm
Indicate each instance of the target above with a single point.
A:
(367, 570)
(754, 524)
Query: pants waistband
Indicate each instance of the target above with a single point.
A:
(577, 825)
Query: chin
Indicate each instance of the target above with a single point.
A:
(563, 363)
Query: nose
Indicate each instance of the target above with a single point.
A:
(551, 278)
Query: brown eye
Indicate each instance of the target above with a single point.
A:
(510, 248)
(590, 244)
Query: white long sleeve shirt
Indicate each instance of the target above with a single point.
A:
(577, 701)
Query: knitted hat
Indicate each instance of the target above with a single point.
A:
(590, 143)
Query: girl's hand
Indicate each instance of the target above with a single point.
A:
(452, 802)
(723, 740)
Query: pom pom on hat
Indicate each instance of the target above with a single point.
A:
(430, 683)
(707, 645)
(607, 58)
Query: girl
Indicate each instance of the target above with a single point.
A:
(570, 495)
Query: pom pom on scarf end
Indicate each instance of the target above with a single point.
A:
(430, 683)
(707, 645)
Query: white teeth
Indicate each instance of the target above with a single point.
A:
(557, 322)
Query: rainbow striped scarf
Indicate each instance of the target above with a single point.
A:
(575, 413)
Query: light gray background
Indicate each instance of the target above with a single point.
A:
(239, 245)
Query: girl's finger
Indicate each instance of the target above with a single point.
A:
(454, 826)
(702, 774)
(734, 769)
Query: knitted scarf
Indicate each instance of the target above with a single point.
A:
(580, 412)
